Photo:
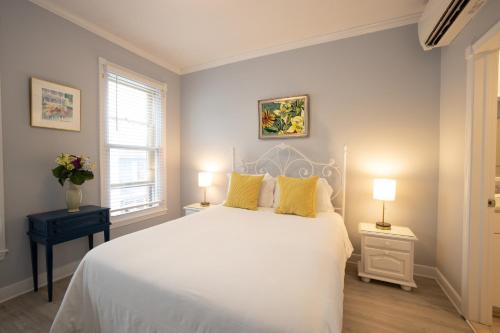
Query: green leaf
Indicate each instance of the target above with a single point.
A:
(79, 177)
(271, 130)
(61, 173)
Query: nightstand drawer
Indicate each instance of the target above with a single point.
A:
(391, 264)
(388, 244)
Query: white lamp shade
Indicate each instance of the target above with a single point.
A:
(205, 179)
(384, 189)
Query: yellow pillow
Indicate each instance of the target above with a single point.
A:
(244, 191)
(297, 196)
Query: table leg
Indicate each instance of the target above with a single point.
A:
(106, 234)
(91, 241)
(49, 262)
(34, 264)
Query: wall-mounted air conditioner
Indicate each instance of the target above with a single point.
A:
(442, 20)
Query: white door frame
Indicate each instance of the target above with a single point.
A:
(482, 88)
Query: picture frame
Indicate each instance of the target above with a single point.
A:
(284, 117)
(54, 106)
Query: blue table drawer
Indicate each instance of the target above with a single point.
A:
(81, 222)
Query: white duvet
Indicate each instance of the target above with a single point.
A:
(223, 270)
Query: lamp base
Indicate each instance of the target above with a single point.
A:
(205, 204)
(383, 226)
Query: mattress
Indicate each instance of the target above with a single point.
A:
(221, 270)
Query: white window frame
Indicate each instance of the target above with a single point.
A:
(142, 215)
(3, 245)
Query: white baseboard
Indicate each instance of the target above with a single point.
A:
(430, 272)
(26, 285)
(449, 291)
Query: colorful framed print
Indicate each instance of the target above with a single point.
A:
(281, 118)
(54, 106)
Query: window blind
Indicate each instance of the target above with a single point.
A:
(133, 156)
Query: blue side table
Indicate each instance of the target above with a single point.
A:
(59, 226)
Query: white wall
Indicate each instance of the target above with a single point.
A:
(377, 93)
(451, 144)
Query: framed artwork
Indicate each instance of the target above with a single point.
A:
(54, 106)
(281, 118)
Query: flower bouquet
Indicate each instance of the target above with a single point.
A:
(78, 169)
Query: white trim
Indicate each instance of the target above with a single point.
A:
(489, 41)
(26, 285)
(143, 215)
(124, 71)
(102, 105)
(449, 291)
(3, 245)
(341, 34)
(482, 71)
(105, 34)
(136, 217)
(467, 181)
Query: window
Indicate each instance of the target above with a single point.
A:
(132, 143)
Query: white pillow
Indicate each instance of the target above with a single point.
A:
(266, 195)
(323, 196)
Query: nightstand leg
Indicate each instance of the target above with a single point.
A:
(405, 288)
(34, 264)
(365, 279)
(91, 241)
(49, 260)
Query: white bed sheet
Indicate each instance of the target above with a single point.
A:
(223, 270)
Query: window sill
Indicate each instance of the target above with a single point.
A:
(132, 218)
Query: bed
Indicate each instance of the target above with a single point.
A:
(220, 270)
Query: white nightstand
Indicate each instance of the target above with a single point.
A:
(387, 255)
(194, 208)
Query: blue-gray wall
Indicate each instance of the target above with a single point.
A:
(35, 42)
(377, 93)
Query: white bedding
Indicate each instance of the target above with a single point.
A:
(223, 270)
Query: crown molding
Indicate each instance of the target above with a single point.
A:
(341, 34)
(105, 34)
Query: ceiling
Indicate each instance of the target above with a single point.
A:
(190, 35)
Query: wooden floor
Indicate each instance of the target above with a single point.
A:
(368, 307)
(495, 328)
(382, 307)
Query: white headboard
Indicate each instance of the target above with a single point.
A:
(285, 160)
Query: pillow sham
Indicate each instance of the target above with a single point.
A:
(323, 196)
(244, 191)
(297, 196)
(266, 195)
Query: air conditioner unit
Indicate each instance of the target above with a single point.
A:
(442, 20)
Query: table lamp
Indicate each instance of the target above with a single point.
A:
(384, 190)
(204, 181)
